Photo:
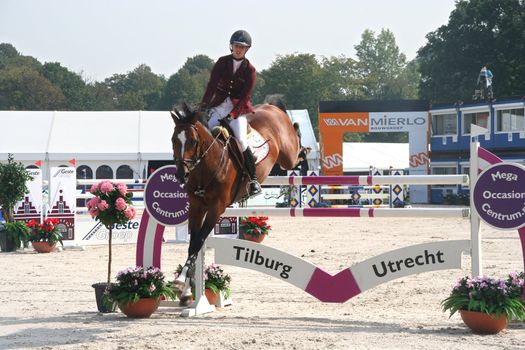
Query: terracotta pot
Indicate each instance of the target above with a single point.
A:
(44, 247)
(482, 323)
(258, 239)
(212, 297)
(143, 308)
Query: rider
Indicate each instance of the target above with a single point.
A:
(229, 92)
(485, 78)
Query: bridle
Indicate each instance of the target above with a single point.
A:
(192, 163)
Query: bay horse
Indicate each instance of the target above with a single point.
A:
(212, 173)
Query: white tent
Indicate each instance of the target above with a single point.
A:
(360, 157)
(100, 138)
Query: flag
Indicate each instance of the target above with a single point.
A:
(39, 163)
(72, 161)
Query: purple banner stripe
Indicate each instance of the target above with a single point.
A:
(488, 156)
(521, 232)
(139, 257)
(330, 180)
(369, 180)
(333, 289)
(157, 245)
(332, 212)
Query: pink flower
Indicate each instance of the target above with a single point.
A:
(122, 188)
(103, 205)
(130, 212)
(120, 204)
(94, 188)
(93, 212)
(93, 202)
(106, 187)
(152, 288)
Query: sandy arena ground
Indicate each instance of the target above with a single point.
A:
(47, 302)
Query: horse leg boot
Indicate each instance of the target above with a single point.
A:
(254, 188)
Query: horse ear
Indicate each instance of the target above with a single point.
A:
(187, 109)
(175, 116)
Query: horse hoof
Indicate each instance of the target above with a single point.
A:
(178, 286)
(185, 300)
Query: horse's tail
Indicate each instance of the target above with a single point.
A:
(276, 100)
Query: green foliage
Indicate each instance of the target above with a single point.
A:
(479, 32)
(24, 88)
(189, 83)
(13, 177)
(140, 89)
(18, 232)
(488, 295)
(135, 283)
(217, 280)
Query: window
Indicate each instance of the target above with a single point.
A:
(83, 173)
(443, 170)
(479, 118)
(444, 124)
(104, 172)
(510, 120)
(124, 172)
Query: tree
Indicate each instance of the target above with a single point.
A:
(13, 177)
(139, 89)
(380, 65)
(189, 83)
(479, 32)
(298, 78)
(70, 84)
(24, 88)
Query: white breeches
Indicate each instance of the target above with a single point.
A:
(239, 126)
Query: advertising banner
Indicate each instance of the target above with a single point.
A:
(62, 200)
(30, 208)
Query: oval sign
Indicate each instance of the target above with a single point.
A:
(164, 198)
(499, 196)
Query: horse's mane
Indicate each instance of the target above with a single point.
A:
(189, 114)
(277, 100)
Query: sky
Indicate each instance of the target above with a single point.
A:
(99, 38)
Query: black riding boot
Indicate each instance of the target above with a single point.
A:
(254, 186)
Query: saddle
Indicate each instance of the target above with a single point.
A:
(260, 148)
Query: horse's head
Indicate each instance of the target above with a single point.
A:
(186, 140)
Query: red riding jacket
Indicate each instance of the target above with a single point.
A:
(223, 83)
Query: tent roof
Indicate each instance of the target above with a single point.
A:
(361, 156)
(128, 135)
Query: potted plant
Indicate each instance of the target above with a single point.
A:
(110, 205)
(254, 228)
(216, 281)
(138, 291)
(13, 178)
(486, 304)
(45, 236)
(14, 235)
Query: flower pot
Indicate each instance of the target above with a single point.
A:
(44, 247)
(212, 297)
(142, 308)
(7, 244)
(482, 323)
(257, 239)
(100, 288)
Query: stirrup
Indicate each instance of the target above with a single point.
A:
(254, 188)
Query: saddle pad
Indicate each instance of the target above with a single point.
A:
(259, 146)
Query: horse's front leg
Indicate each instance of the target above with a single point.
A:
(195, 222)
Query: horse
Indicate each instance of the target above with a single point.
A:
(210, 168)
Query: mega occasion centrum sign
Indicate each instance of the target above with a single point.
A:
(165, 199)
(499, 196)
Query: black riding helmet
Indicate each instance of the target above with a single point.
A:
(241, 37)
